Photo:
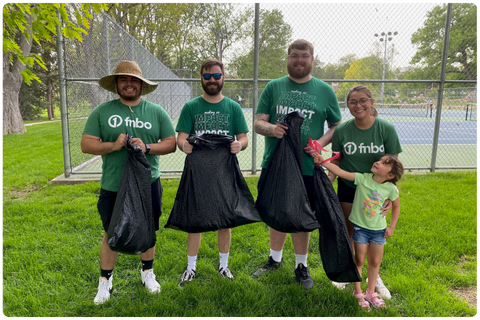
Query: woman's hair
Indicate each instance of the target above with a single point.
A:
(367, 92)
(397, 167)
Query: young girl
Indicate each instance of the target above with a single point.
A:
(369, 226)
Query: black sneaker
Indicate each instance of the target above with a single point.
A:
(270, 265)
(303, 276)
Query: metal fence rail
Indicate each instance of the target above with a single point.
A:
(437, 126)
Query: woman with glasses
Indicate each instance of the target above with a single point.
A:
(361, 141)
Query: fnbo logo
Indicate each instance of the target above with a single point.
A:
(350, 148)
(115, 121)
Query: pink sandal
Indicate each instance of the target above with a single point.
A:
(363, 304)
(376, 303)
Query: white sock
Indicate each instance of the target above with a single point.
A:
(223, 260)
(192, 261)
(276, 255)
(300, 258)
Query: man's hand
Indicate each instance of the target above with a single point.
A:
(310, 151)
(235, 147)
(280, 130)
(120, 142)
(187, 147)
(139, 142)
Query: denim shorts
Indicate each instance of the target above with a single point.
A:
(365, 236)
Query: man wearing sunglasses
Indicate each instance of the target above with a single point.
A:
(211, 113)
(298, 91)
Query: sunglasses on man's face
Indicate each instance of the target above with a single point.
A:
(208, 76)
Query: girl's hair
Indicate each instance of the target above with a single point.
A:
(367, 92)
(397, 167)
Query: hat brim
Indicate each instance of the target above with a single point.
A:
(108, 83)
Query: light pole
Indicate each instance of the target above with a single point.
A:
(386, 39)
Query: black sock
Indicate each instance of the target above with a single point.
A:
(106, 273)
(147, 265)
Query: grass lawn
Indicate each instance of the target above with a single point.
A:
(52, 235)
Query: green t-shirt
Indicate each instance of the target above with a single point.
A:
(361, 148)
(149, 122)
(368, 201)
(315, 99)
(199, 116)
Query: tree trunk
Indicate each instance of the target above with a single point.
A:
(12, 81)
(49, 100)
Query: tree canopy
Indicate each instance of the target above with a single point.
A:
(462, 49)
(24, 23)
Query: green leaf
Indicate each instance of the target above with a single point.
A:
(28, 76)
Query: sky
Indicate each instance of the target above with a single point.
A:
(338, 29)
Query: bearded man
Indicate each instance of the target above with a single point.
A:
(298, 91)
(104, 134)
(211, 113)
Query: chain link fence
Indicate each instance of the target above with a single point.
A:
(369, 44)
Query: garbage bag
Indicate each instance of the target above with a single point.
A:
(212, 194)
(282, 198)
(132, 228)
(334, 242)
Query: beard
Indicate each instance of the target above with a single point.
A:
(212, 90)
(130, 98)
(299, 74)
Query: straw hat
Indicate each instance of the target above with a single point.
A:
(127, 68)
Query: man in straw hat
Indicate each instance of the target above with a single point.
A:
(104, 134)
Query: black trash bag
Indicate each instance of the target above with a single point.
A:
(334, 242)
(282, 198)
(212, 194)
(132, 228)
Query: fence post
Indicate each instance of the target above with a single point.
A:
(63, 101)
(442, 85)
(255, 88)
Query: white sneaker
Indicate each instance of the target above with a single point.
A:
(226, 273)
(382, 291)
(340, 285)
(104, 290)
(148, 280)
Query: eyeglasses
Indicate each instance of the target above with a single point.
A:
(353, 103)
(208, 76)
(296, 56)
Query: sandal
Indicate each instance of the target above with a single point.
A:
(363, 304)
(376, 302)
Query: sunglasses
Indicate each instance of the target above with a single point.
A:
(208, 76)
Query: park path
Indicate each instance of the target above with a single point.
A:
(33, 123)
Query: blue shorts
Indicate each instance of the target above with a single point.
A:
(365, 236)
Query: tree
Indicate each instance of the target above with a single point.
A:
(462, 50)
(24, 23)
(274, 37)
(333, 70)
(182, 35)
(38, 96)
